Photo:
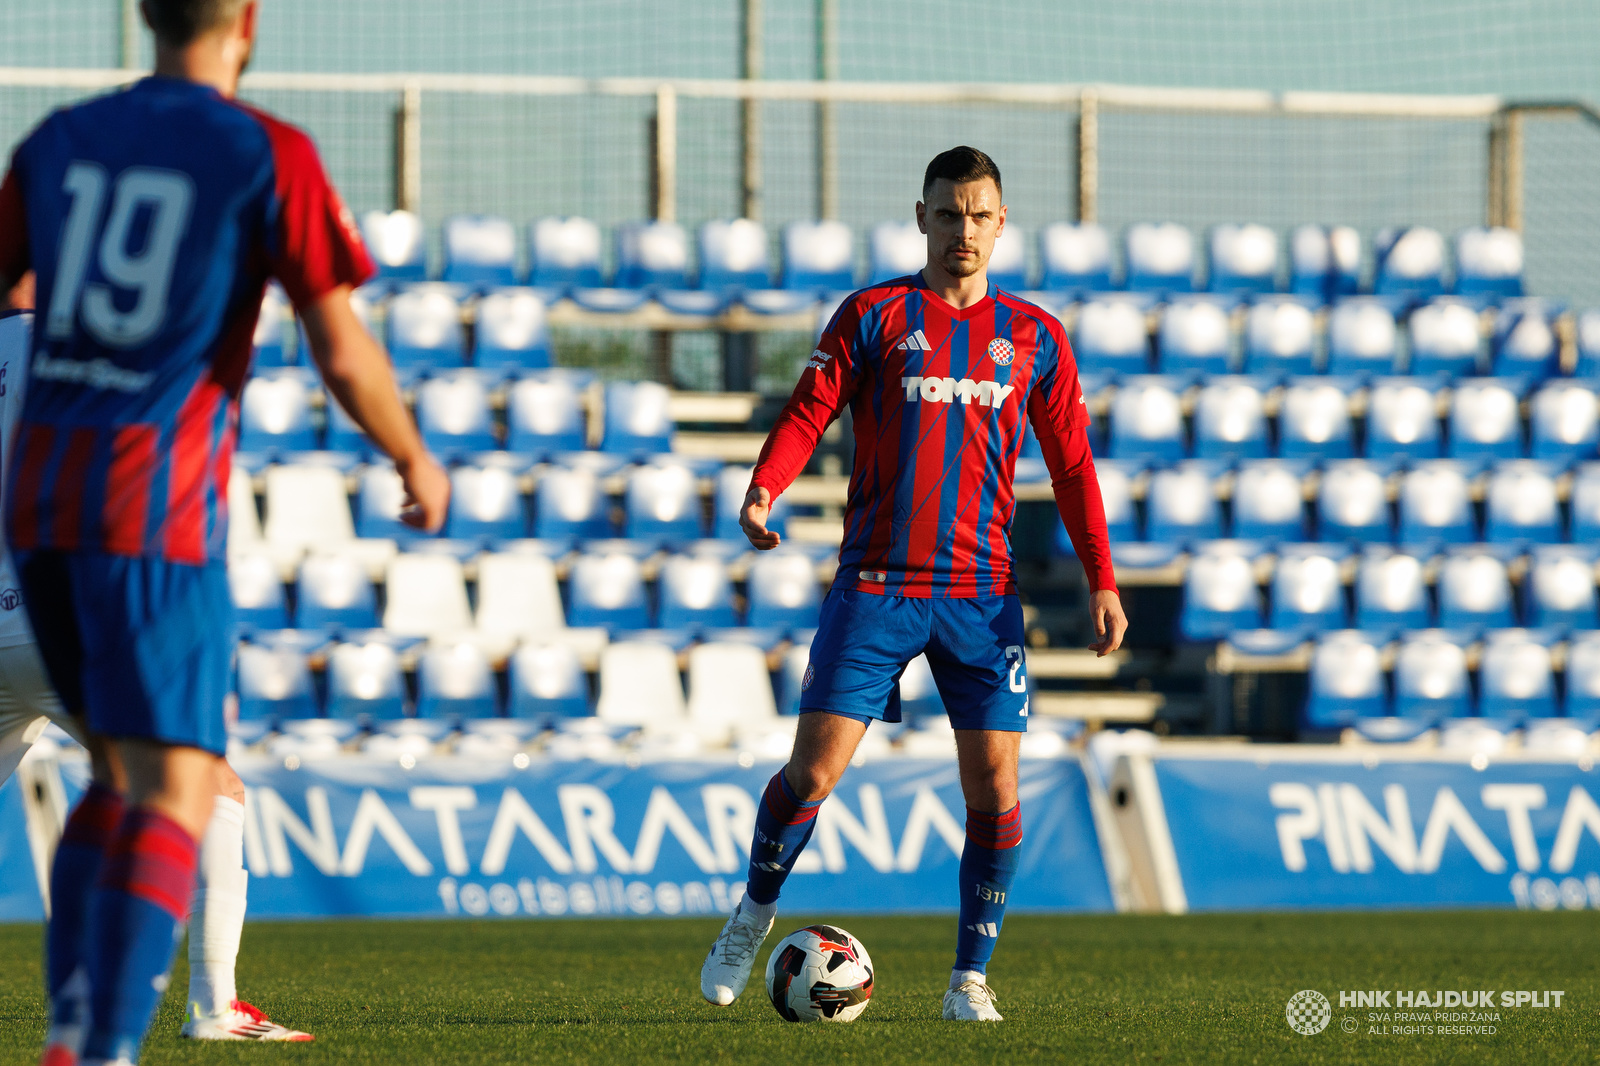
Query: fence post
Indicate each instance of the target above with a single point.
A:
(130, 34)
(1513, 169)
(664, 156)
(750, 201)
(827, 138)
(408, 149)
(1088, 155)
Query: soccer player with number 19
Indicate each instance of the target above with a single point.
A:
(939, 370)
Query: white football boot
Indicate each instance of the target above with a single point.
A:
(971, 1001)
(727, 967)
(241, 1022)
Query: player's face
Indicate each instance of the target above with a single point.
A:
(961, 219)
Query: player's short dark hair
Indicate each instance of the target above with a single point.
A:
(960, 164)
(177, 22)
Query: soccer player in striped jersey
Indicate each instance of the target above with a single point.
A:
(939, 370)
(153, 218)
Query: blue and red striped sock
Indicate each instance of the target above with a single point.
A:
(988, 865)
(783, 825)
(88, 832)
(135, 921)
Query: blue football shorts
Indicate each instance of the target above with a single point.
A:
(974, 645)
(140, 647)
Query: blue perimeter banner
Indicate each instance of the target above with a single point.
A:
(1278, 831)
(19, 884)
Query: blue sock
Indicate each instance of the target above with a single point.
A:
(84, 840)
(135, 921)
(783, 825)
(988, 865)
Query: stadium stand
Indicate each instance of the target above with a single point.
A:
(1076, 258)
(564, 253)
(480, 250)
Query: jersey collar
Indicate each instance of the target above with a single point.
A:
(958, 313)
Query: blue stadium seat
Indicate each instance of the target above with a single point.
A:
(425, 328)
(485, 504)
(510, 334)
(1076, 257)
(1409, 262)
(1219, 594)
(456, 679)
(1445, 339)
(1524, 342)
(271, 331)
(652, 255)
(1588, 330)
(1314, 421)
(1403, 421)
(733, 256)
(1194, 338)
(1391, 592)
(1520, 504)
(1008, 263)
(896, 249)
(564, 254)
(275, 415)
(663, 504)
(1430, 679)
(453, 414)
(274, 683)
(783, 591)
(1516, 678)
(1362, 337)
(819, 256)
(1585, 500)
(342, 434)
(793, 676)
(1160, 257)
(544, 415)
(1583, 679)
(1489, 261)
(547, 680)
(1352, 503)
(570, 503)
(1324, 262)
(1244, 259)
(1182, 505)
(1307, 590)
(397, 245)
(1565, 422)
(1230, 420)
(1111, 336)
(1268, 503)
(607, 590)
(1346, 681)
(1435, 504)
(480, 250)
(695, 591)
(638, 419)
(732, 483)
(257, 592)
(1559, 591)
(1474, 592)
(364, 680)
(1280, 337)
(334, 592)
(1485, 422)
(1147, 421)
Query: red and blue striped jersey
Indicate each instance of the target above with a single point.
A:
(153, 218)
(938, 397)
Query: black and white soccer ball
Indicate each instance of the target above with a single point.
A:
(819, 974)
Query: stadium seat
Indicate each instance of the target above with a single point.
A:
(1445, 340)
(1409, 262)
(364, 681)
(1559, 591)
(1352, 503)
(544, 415)
(608, 591)
(662, 504)
(1324, 262)
(1279, 337)
(244, 520)
(1111, 336)
(1076, 257)
(480, 250)
(453, 414)
(1474, 592)
(1391, 592)
(397, 245)
(1585, 501)
(275, 415)
(510, 334)
(1160, 257)
(518, 596)
(1489, 261)
(1314, 421)
(1008, 263)
(257, 592)
(1346, 681)
(334, 592)
(1588, 331)
(1435, 505)
(640, 685)
(1403, 421)
(485, 503)
(1194, 338)
(308, 506)
(918, 693)
(1307, 591)
(1430, 679)
(819, 256)
(1268, 503)
(1520, 504)
(1182, 505)
(1362, 337)
(455, 679)
(732, 483)
(733, 256)
(652, 255)
(379, 498)
(896, 249)
(638, 419)
(274, 683)
(424, 326)
(793, 676)
(730, 689)
(570, 503)
(1230, 420)
(1484, 421)
(1565, 422)
(1583, 678)
(783, 591)
(1524, 342)
(1244, 259)
(427, 596)
(564, 254)
(1147, 421)
(269, 349)
(1219, 594)
(1516, 678)
(695, 592)
(341, 434)
(546, 680)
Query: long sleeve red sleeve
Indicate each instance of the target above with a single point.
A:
(1077, 492)
(826, 385)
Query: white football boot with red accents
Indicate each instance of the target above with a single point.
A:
(242, 1022)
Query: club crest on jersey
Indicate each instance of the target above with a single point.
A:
(805, 682)
(1002, 351)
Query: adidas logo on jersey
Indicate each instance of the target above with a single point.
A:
(949, 390)
(985, 929)
(915, 343)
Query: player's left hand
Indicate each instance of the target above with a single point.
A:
(1105, 610)
(427, 493)
(753, 519)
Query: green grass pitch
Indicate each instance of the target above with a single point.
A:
(1125, 989)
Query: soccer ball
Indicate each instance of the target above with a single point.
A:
(819, 974)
